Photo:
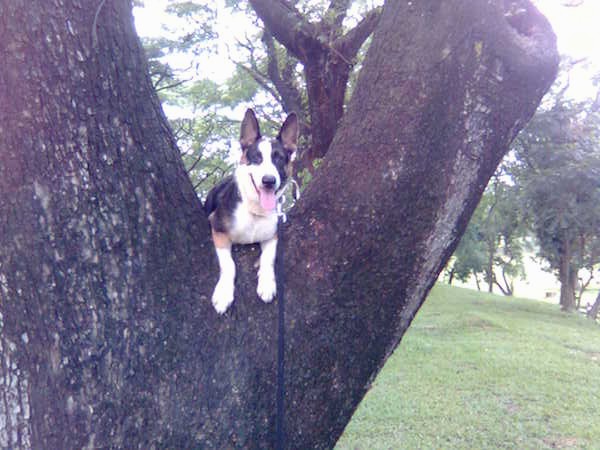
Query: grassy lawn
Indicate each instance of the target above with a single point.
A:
(478, 371)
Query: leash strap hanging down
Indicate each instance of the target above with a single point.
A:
(280, 279)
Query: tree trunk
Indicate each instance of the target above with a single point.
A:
(507, 287)
(568, 278)
(477, 281)
(490, 268)
(328, 57)
(582, 286)
(107, 334)
(326, 80)
(593, 311)
(451, 276)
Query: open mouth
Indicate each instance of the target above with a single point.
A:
(266, 196)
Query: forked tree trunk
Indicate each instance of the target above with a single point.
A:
(108, 337)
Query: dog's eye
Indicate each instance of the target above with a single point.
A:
(254, 157)
(277, 157)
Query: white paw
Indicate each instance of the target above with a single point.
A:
(267, 287)
(222, 296)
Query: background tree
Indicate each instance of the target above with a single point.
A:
(494, 241)
(503, 232)
(558, 163)
(108, 337)
(470, 256)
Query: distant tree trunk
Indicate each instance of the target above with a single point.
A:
(582, 286)
(507, 287)
(568, 278)
(490, 267)
(451, 276)
(107, 334)
(593, 311)
(477, 281)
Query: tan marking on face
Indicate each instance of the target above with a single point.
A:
(221, 240)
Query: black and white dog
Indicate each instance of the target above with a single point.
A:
(242, 209)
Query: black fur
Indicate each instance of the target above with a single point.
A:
(281, 158)
(220, 203)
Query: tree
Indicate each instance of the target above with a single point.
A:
(558, 166)
(108, 336)
(469, 258)
(302, 59)
(327, 54)
(495, 238)
(202, 131)
(503, 232)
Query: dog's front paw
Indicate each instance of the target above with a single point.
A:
(222, 296)
(267, 287)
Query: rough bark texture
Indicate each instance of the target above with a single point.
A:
(107, 334)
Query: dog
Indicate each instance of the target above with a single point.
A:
(242, 209)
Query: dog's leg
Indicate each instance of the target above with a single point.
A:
(223, 294)
(267, 287)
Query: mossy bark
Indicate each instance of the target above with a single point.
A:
(107, 333)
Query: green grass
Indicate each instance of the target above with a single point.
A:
(478, 371)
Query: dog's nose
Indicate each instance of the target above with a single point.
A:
(268, 181)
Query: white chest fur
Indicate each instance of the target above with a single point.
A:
(248, 228)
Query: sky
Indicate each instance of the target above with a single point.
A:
(577, 29)
(578, 33)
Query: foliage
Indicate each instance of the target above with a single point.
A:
(266, 76)
(558, 167)
(484, 372)
(547, 187)
(494, 242)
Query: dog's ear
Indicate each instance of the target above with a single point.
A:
(250, 132)
(288, 135)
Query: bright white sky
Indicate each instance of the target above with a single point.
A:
(577, 29)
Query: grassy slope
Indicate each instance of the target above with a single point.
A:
(477, 371)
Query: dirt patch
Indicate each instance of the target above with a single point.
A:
(478, 322)
(561, 442)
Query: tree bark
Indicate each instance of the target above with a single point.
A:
(593, 311)
(107, 334)
(567, 277)
(490, 266)
(477, 281)
(507, 287)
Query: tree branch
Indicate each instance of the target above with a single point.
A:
(350, 43)
(287, 25)
(172, 85)
(261, 79)
(290, 96)
(337, 10)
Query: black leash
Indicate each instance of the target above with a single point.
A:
(280, 279)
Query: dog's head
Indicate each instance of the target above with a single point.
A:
(266, 163)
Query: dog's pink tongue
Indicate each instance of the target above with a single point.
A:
(267, 199)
